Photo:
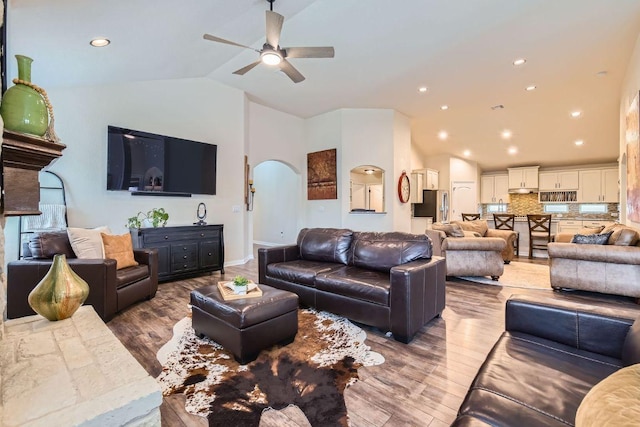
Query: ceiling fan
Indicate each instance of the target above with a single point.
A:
(271, 52)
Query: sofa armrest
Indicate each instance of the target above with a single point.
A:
(149, 257)
(509, 236)
(268, 256)
(417, 295)
(436, 237)
(582, 325)
(597, 253)
(100, 275)
(564, 237)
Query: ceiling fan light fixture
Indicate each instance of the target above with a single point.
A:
(271, 57)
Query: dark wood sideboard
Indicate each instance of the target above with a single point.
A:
(183, 251)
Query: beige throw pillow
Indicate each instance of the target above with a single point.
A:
(622, 235)
(119, 248)
(87, 243)
(613, 401)
(479, 226)
(451, 230)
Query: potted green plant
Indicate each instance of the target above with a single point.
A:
(240, 285)
(157, 217)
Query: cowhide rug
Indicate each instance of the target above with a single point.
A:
(312, 373)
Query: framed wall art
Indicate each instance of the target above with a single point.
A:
(322, 178)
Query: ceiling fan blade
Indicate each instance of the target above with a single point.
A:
(274, 27)
(310, 52)
(290, 71)
(219, 40)
(246, 68)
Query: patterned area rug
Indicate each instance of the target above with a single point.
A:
(311, 373)
(519, 275)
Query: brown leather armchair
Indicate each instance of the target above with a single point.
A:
(110, 290)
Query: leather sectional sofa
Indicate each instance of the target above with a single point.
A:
(611, 268)
(386, 280)
(553, 352)
(110, 290)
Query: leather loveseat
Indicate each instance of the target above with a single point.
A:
(386, 280)
(110, 290)
(553, 352)
(611, 268)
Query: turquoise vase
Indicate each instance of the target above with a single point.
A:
(23, 109)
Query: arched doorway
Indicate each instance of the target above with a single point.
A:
(277, 209)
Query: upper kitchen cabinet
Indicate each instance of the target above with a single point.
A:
(558, 180)
(598, 186)
(523, 178)
(494, 189)
(422, 179)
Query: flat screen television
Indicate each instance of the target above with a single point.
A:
(145, 163)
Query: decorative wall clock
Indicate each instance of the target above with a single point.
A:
(404, 187)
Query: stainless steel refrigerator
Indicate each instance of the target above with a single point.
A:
(435, 204)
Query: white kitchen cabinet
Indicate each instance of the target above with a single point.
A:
(432, 180)
(558, 180)
(494, 189)
(417, 185)
(598, 186)
(569, 226)
(524, 178)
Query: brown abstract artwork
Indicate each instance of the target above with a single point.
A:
(322, 179)
(633, 160)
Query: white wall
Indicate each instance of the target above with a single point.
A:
(630, 88)
(402, 162)
(180, 108)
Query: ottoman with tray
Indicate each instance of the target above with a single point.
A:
(245, 326)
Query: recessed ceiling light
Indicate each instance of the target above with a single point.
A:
(444, 107)
(519, 61)
(422, 89)
(443, 134)
(579, 142)
(602, 73)
(466, 153)
(506, 134)
(100, 42)
(576, 113)
(512, 150)
(530, 88)
(369, 171)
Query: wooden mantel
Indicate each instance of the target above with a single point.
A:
(23, 157)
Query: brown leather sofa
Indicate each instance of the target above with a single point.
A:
(110, 290)
(387, 280)
(552, 353)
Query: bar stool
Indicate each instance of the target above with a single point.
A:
(539, 232)
(470, 216)
(507, 222)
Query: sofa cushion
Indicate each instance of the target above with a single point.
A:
(382, 251)
(119, 248)
(325, 244)
(479, 226)
(591, 239)
(129, 275)
(87, 243)
(300, 271)
(354, 282)
(48, 244)
(512, 374)
(622, 235)
(450, 230)
(613, 401)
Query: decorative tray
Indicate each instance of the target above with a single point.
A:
(226, 290)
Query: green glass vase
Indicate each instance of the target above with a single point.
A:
(60, 292)
(23, 109)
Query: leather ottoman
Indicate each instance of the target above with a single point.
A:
(248, 325)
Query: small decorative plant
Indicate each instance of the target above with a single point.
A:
(240, 285)
(158, 217)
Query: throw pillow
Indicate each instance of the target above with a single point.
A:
(451, 230)
(119, 248)
(622, 235)
(87, 243)
(613, 401)
(479, 226)
(591, 230)
(591, 239)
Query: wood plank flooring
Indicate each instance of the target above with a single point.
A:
(420, 384)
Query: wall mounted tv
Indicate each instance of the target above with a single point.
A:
(145, 163)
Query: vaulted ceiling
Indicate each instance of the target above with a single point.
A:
(576, 55)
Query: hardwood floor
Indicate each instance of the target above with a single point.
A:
(420, 384)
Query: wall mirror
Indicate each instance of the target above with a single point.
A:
(367, 189)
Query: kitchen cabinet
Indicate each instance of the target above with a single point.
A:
(422, 179)
(432, 180)
(569, 226)
(558, 180)
(494, 189)
(598, 186)
(524, 178)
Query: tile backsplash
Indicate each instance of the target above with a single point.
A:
(523, 204)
